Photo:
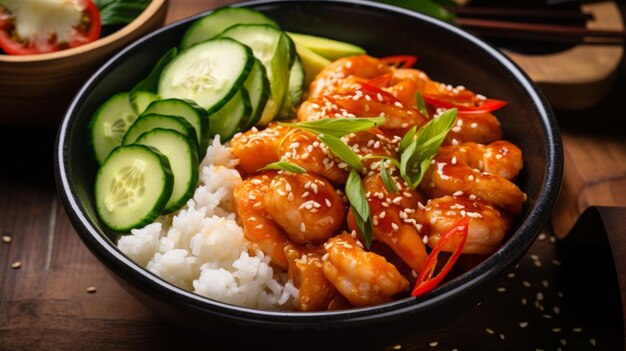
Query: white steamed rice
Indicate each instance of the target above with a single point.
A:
(201, 247)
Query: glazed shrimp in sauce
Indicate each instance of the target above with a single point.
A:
(257, 148)
(306, 206)
(315, 292)
(487, 226)
(250, 203)
(363, 277)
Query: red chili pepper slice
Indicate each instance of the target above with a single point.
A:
(383, 81)
(425, 281)
(370, 89)
(461, 103)
(400, 61)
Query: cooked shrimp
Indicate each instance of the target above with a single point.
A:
(257, 148)
(306, 206)
(477, 170)
(362, 102)
(393, 219)
(363, 277)
(333, 76)
(482, 128)
(305, 150)
(315, 292)
(487, 226)
(249, 199)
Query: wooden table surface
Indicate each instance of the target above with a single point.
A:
(565, 293)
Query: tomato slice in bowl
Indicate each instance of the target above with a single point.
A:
(26, 28)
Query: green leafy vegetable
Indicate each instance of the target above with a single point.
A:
(427, 7)
(120, 11)
(284, 166)
(360, 207)
(338, 127)
(416, 158)
(343, 151)
(421, 105)
(384, 175)
(407, 139)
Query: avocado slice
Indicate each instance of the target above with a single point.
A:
(311, 62)
(328, 48)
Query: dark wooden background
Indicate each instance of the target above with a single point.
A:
(563, 294)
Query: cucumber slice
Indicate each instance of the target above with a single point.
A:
(275, 50)
(231, 118)
(148, 122)
(328, 48)
(209, 73)
(296, 90)
(258, 88)
(141, 99)
(191, 112)
(183, 158)
(109, 124)
(132, 187)
(216, 22)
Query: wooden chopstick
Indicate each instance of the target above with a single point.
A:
(534, 28)
(524, 13)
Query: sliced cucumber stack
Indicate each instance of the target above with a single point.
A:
(183, 160)
(148, 122)
(258, 88)
(229, 119)
(216, 22)
(132, 187)
(296, 90)
(209, 73)
(194, 114)
(109, 124)
(276, 52)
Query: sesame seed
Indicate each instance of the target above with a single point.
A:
(501, 289)
(592, 341)
(397, 347)
(325, 257)
(6, 239)
(523, 324)
(433, 344)
(526, 283)
(556, 330)
(91, 289)
(556, 310)
(540, 296)
(16, 265)
(511, 275)
(524, 301)
(563, 342)
(458, 193)
(577, 330)
(327, 202)
(290, 197)
(251, 197)
(502, 336)
(379, 97)
(489, 331)
(394, 226)
(425, 239)
(382, 215)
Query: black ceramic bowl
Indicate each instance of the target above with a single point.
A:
(446, 53)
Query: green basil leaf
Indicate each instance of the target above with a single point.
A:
(151, 82)
(284, 166)
(389, 183)
(407, 139)
(421, 105)
(338, 127)
(341, 150)
(416, 158)
(359, 205)
(120, 11)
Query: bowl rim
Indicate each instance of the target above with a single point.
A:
(513, 249)
(144, 16)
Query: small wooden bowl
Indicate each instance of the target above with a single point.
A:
(35, 90)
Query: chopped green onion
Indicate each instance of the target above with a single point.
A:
(415, 159)
(338, 127)
(341, 150)
(407, 139)
(284, 166)
(360, 207)
(421, 105)
(384, 175)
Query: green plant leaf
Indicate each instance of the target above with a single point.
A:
(407, 139)
(284, 166)
(427, 7)
(338, 127)
(415, 159)
(151, 82)
(421, 105)
(120, 11)
(389, 183)
(359, 205)
(341, 150)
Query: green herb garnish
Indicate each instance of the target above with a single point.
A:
(415, 159)
(338, 127)
(407, 139)
(384, 175)
(284, 166)
(360, 207)
(120, 11)
(421, 105)
(342, 150)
